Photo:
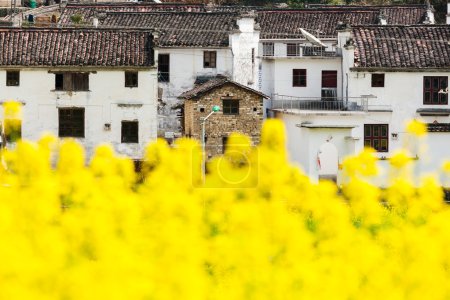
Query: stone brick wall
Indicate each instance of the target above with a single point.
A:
(220, 125)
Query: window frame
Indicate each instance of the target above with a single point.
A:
(209, 59)
(73, 131)
(300, 79)
(230, 106)
(131, 79)
(164, 75)
(70, 81)
(372, 139)
(268, 48)
(326, 83)
(295, 47)
(125, 136)
(442, 99)
(11, 80)
(377, 80)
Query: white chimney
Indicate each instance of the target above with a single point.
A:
(95, 22)
(448, 13)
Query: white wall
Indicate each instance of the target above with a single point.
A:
(101, 103)
(185, 65)
(403, 91)
(242, 42)
(277, 75)
(303, 143)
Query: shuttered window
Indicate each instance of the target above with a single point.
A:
(71, 122)
(72, 82)
(130, 132)
(131, 79)
(299, 77)
(329, 79)
(209, 59)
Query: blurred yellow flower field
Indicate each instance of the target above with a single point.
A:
(255, 229)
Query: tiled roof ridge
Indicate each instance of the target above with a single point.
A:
(213, 83)
(170, 13)
(400, 26)
(379, 6)
(75, 28)
(108, 4)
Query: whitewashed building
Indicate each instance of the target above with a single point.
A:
(94, 85)
(194, 47)
(391, 74)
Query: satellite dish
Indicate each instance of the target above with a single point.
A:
(311, 38)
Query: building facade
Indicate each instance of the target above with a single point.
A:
(241, 110)
(84, 84)
(392, 74)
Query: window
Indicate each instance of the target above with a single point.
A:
(377, 80)
(13, 130)
(432, 85)
(268, 49)
(131, 79)
(71, 122)
(224, 143)
(163, 68)
(253, 55)
(209, 59)
(376, 136)
(293, 49)
(299, 77)
(130, 132)
(230, 107)
(12, 78)
(329, 79)
(72, 81)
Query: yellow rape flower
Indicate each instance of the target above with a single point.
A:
(416, 128)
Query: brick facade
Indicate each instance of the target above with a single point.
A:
(220, 125)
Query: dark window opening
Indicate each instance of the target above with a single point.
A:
(299, 77)
(72, 82)
(329, 79)
(209, 59)
(12, 78)
(224, 143)
(163, 68)
(71, 122)
(377, 80)
(293, 49)
(131, 79)
(130, 132)
(202, 109)
(433, 90)
(377, 137)
(230, 107)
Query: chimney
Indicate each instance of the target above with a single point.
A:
(448, 13)
(429, 18)
(382, 19)
(95, 22)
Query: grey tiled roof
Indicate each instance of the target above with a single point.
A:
(75, 47)
(402, 46)
(322, 21)
(219, 81)
(184, 29)
(88, 11)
